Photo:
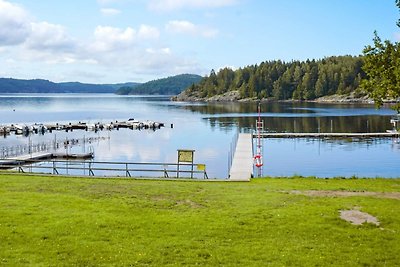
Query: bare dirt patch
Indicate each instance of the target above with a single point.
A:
(190, 203)
(332, 193)
(357, 217)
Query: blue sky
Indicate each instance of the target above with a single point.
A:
(110, 41)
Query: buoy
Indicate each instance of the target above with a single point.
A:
(258, 161)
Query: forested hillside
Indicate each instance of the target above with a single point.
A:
(297, 80)
(166, 86)
(8, 85)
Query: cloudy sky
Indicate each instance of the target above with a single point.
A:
(109, 41)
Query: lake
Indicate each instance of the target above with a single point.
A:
(210, 128)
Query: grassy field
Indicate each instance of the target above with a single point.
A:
(56, 221)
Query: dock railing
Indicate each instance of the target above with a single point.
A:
(232, 150)
(110, 169)
(54, 145)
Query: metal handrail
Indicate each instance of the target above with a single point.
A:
(92, 167)
(232, 150)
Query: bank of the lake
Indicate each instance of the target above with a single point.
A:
(234, 96)
(276, 222)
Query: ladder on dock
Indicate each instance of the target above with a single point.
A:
(242, 163)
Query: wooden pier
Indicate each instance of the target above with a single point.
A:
(331, 135)
(242, 163)
(27, 159)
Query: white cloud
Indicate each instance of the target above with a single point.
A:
(110, 11)
(14, 24)
(30, 41)
(110, 38)
(34, 48)
(161, 51)
(169, 5)
(46, 36)
(17, 28)
(136, 52)
(114, 39)
(148, 32)
(186, 27)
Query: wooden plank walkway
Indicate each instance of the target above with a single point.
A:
(24, 159)
(330, 135)
(242, 163)
(10, 163)
(32, 156)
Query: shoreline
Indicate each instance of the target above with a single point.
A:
(234, 97)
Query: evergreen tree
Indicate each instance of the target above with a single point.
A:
(382, 67)
(281, 80)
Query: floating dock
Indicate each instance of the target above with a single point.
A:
(242, 163)
(25, 129)
(390, 134)
(28, 159)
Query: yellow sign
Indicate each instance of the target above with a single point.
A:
(185, 156)
(201, 167)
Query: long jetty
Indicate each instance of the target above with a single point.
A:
(242, 164)
(389, 134)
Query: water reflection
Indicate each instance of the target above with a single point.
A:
(295, 108)
(296, 117)
(356, 124)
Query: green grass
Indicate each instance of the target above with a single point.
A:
(56, 221)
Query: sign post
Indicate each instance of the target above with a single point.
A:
(185, 156)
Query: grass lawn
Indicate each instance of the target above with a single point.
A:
(58, 221)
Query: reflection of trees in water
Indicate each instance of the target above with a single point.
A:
(356, 124)
(269, 107)
(292, 117)
(235, 107)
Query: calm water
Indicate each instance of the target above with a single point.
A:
(210, 128)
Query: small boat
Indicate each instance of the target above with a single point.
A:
(18, 129)
(109, 126)
(90, 127)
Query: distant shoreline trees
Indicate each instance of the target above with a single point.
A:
(166, 86)
(279, 80)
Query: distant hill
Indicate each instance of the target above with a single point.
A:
(9, 85)
(166, 86)
(116, 86)
(77, 87)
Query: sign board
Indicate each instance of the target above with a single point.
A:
(185, 155)
(201, 167)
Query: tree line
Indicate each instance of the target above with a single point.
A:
(9, 85)
(298, 80)
(166, 86)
